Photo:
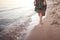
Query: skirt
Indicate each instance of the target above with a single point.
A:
(43, 9)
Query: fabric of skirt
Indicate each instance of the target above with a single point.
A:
(40, 6)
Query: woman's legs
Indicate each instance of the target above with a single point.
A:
(41, 20)
(41, 16)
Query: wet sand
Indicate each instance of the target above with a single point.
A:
(44, 32)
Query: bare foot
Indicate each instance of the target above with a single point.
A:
(41, 23)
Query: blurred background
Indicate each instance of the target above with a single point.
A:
(8, 4)
(15, 17)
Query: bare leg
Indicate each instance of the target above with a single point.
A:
(40, 15)
(41, 20)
